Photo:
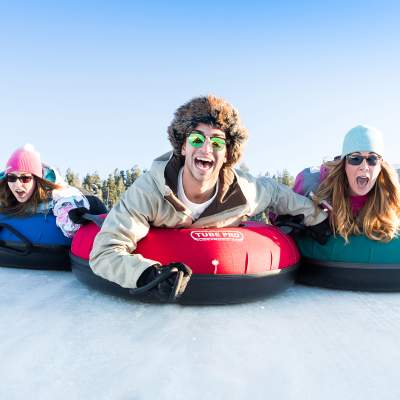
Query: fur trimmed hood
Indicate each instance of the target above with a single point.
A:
(212, 111)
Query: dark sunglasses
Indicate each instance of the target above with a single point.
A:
(357, 159)
(197, 139)
(23, 178)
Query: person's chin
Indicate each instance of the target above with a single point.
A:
(203, 172)
(362, 192)
(22, 199)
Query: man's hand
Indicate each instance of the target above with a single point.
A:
(290, 224)
(320, 232)
(293, 224)
(165, 283)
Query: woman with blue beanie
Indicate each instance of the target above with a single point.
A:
(359, 188)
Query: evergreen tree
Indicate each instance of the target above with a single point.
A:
(287, 179)
(123, 177)
(93, 184)
(105, 193)
(132, 175)
(72, 178)
(284, 177)
(112, 191)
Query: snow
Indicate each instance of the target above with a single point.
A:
(62, 340)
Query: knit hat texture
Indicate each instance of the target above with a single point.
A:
(25, 159)
(363, 138)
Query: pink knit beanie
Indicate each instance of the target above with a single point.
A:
(25, 159)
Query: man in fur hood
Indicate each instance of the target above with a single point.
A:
(211, 111)
(194, 186)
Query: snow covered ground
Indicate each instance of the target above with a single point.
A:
(61, 340)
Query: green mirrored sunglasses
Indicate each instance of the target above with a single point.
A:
(197, 139)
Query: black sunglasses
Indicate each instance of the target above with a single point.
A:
(23, 178)
(357, 159)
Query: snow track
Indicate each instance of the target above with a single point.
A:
(59, 339)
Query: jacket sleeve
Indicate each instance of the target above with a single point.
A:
(127, 223)
(280, 199)
(64, 200)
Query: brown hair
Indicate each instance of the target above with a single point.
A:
(379, 219)
(10, 205)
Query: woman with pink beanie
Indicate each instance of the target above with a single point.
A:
(28, 187)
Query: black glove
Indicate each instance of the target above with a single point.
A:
(320, 232)
(163, 284)
(76, 215)
(96, 205)
(290, 224)
(294, 225)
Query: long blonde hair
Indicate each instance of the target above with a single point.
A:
(10, 205)
(379, 219)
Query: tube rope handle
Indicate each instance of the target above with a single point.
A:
(162, 277)
(179, 286)
(28, 244)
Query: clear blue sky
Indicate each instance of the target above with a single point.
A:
(94, 84)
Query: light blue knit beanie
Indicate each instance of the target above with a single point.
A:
(363, 138)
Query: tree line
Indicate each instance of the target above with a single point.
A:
(109, 190)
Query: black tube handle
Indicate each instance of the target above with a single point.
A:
(162, 277)
(24, 240)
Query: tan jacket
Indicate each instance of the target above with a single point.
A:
(152, 201)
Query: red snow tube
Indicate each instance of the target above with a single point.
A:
(230, 265)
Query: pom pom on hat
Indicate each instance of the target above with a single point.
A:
(363, 138)
(25, 159)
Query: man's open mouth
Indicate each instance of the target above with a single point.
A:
(203, 163)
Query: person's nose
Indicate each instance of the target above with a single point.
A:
(18, 183)
(208, 147)
(364, 165)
